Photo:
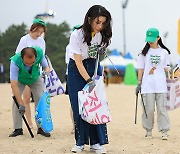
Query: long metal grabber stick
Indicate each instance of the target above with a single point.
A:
(111, 62)
(27, 125)
(96, 66)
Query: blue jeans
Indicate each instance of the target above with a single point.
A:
(83, 130)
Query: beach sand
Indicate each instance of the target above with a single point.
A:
(125, 137)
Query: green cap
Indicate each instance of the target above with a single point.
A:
(152, 34)
(39, 21)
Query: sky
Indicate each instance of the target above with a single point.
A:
(139, 16)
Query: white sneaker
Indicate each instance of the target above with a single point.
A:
(148, 134)
(164, 135)
(99, 149)
(77, 149)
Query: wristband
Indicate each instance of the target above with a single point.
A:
(89, 80)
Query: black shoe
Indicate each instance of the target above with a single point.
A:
(16, 132)
(40, 131)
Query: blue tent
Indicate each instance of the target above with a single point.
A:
(128, 56)
(115, 53)
(118, 60)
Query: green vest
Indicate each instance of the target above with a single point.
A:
(24, 76)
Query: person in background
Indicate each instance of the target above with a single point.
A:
(2, 78)
(33, 38)
(153, 63)
(83, 46)
(106, 75)
(25, 71)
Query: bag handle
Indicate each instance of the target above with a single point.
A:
(96, 67)
(48, 61)
(174, 70)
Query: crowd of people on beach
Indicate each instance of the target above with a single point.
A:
(29, 64)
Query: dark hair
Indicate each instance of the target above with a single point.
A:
(93, 12)
(29, 53)
(147, 46)
(37, 25)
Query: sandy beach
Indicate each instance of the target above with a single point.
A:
(124, 136)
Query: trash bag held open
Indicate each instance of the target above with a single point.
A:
(43, 114)
(93, 106)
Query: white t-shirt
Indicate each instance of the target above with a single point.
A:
(154, 83)
(66, 55)
(77, 46)
(67, 58)
(28, 41)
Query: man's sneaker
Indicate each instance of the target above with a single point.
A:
(77, 148)
(16, 132)
(40, 131)
(164, 135)
(99, 149)
(148, 134)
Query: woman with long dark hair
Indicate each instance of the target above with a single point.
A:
(153, 63)
(95, 32)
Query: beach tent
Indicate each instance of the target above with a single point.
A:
(120, 63)
(128, 56)
(130, 60)
(117, 60)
